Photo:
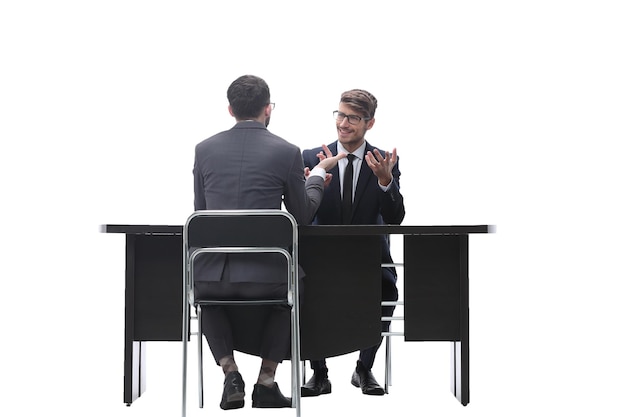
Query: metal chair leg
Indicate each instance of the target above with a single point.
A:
(295, 359)
(200, 366)
(185, 335)
(387, 363)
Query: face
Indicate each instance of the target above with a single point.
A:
(352, 136)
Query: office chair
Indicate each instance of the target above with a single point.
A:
(241, 232)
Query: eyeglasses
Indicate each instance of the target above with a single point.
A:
(273, 105)
(353, 119)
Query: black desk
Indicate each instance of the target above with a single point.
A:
(435, 291)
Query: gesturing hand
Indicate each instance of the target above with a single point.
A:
(382, 165)
(327, 160)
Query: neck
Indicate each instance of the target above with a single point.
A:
(261, 119)
(256, 119)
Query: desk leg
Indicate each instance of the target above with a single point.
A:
(459, 363)
(134, 370)
(459, 378)
(134, 351)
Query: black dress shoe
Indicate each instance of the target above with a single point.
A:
(364, 379)
(318, 384)
(266, 397)
(233, 394)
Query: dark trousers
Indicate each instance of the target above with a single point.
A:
(258, 330)
(367, 355)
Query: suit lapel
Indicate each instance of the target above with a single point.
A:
(334, 189)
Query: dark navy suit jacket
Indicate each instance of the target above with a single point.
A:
(371, 205)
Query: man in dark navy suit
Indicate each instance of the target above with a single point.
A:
(363, 188)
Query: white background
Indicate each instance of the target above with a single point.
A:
(503, 112)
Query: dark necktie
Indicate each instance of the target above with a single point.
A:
(346, 199)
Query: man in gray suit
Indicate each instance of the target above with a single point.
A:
(247, 167)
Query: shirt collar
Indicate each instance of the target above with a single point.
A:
(359, 152)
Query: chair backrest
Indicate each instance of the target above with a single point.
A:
(241, 228)
(239, 232)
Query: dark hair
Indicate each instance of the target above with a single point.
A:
(360, 101)
(247, 96)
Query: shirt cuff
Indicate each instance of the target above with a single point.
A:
(385, 187)
(320, 172)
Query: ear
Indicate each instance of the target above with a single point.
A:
(370, 123)
(268, 110)
(230, 110)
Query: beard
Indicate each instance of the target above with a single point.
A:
(267, 121)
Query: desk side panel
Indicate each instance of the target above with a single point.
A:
(432, 287)
(158, 288)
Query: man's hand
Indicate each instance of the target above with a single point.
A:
(382, 166)
(327, 160)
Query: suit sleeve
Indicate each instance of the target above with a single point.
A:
(302, 198)
(199, 200)
(392, 204)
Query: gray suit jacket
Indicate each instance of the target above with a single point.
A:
(247, 167)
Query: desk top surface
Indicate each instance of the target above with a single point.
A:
(316, 230)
